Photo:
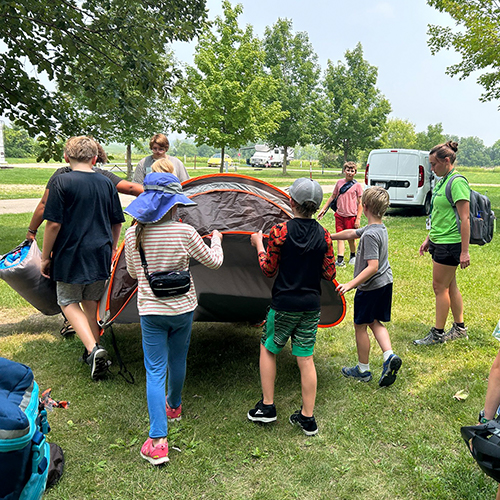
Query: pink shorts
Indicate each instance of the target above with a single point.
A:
(342, 223)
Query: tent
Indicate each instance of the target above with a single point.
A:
(236, 205)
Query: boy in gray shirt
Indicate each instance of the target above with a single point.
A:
(373, 280)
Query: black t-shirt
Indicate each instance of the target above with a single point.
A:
(86, 205)
(64, 170)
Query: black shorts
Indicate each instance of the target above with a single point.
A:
(447, 254)
(371, 305)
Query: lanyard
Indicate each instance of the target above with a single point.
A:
(438, 187)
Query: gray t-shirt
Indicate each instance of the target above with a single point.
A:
(144, 167)
(373, 245)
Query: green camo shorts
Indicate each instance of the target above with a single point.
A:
(300, 327)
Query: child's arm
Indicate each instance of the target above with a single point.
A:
(37, 218)
(115, 231)
(358, 215)
(132, 188)
(346, 234)
(362, 277)
(325, 207)
(328, 270)
(269, 261)
(49, 237)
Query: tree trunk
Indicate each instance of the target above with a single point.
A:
(222, 155)
(285, 158)
(129, 162)
(346, 149)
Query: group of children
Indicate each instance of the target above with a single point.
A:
(84, 219)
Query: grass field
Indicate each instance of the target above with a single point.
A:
(402, 442)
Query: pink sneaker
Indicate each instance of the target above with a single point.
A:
(173, 414)
(155, 455)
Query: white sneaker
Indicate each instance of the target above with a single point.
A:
(352, 261)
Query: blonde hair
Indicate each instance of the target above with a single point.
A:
(81, 148)
(163, 165)
(376, 200)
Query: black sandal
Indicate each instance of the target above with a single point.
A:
(67, 330)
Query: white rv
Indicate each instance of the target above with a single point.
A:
(270, 157)
(405, 173)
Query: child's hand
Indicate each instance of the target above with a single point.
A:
(45, 268)
(343, 288)
(256, 238)
(217, 233)
(322, 212)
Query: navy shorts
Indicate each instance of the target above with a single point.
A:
(447, 254)
(371, 305)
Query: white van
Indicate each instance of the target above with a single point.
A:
(405, 173)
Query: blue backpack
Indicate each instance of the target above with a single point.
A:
(482, 218)
(25, 455)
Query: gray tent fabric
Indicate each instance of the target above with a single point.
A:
(238, 206)
(23, 274)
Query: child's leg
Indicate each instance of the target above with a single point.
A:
(309, 382)
(154, 344)
(340, 248)
(178, 345)
(267, 364)
(362, 343)
(352, 245)
(80, 323)
(381, 335)
(90, 310)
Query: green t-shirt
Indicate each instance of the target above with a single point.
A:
(444, 227)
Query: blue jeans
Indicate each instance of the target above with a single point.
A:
(165, 341)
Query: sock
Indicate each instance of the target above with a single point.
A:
(363, 367)
(439, 331)
(353, 255)
(387, 354)
(460, 325)
(340, 258)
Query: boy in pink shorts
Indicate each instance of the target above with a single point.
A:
(347, 194)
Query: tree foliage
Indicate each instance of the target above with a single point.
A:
(18, 143)
(225, 98)
(293, 64)
(107, 49)
(399, 133)
(476, 39)
(433, 136)
(352, 112)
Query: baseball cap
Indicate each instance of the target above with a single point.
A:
(305, 189)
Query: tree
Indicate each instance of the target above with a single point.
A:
(352, 112)
(186, 149)
(224, 100)
(205, 151)
(431, 137)
(494, 153)
(118, 48)
(399, 134)
(18, 143)
(293, 64)
(472, 152)
(476, 39)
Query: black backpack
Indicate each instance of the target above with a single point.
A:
(482, 218)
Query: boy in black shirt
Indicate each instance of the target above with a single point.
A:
(300, 251)
(84, 219)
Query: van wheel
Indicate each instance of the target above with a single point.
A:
(426, 207)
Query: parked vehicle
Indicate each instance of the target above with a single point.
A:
(214, 161)
(270, 157)
(405, 173)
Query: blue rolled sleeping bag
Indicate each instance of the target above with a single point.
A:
(20, 268)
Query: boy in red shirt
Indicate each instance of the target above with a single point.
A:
(347, 193)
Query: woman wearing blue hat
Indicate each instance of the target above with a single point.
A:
(166, 321)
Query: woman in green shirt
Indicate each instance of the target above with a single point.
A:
(448, 244)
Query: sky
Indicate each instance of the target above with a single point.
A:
(394, 37)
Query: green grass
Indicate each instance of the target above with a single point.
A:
(397, 443)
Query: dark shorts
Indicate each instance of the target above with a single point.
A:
(447, 254)
(371, 305)
(70, 293)
(300, 327)
(342, 223)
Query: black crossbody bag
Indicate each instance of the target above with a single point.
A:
(166, 283)
(342, 190)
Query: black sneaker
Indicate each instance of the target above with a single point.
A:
(307, 424)
(262, 413)
(98, 361)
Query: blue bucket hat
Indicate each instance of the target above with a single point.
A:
(162, 191)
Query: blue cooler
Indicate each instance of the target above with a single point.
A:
(24, 452)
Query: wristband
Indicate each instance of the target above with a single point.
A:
(32, 231)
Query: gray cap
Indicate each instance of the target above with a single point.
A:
(305, 189)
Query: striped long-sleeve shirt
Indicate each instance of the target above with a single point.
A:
(168, 246)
